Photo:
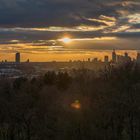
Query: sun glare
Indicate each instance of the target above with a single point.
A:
(66, 40)
(76, 104)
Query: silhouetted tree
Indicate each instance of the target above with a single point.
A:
(44, 107)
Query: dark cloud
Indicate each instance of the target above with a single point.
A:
(35, 13)
(135, 26)
(83, 18)
(65, 13)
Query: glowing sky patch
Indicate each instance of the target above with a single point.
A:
(134, 18)
(66, 40)
(109, 21)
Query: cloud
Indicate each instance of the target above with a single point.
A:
(65, 13)
(30, 21)
(50, 13)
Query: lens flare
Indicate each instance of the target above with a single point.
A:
(66, 40)
(76, 104)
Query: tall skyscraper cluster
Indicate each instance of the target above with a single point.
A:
(120, 58)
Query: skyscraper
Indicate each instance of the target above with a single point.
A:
(126, 54)
(114, 56)
(17, 57)
(138, 57)
(127, 58)
(106, 59)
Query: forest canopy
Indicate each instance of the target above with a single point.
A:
(79, 105)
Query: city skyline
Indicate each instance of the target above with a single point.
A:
(110, 56)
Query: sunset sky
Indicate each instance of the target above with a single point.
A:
(46, 30)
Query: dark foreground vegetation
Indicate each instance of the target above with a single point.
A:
(79, 106)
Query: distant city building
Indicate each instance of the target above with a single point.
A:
(88, 59)
(127, 58)
(138, 57)
(17, 57)
(114, 56)
(106, 59)
(95, 60)
(123, 59)
(120, 59)
(28, 60)
(126, 54)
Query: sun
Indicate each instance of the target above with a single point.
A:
(66, 40)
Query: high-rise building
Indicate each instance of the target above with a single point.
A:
(126, 54)
(28, 60)
(127, 57)
(95, 59)
(120, 59)
(106, 59)
(88, 59)
(123, 59)
(114, 56)
(17, 57)
(138, 57)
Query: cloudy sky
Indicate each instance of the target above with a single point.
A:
(36, 28)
